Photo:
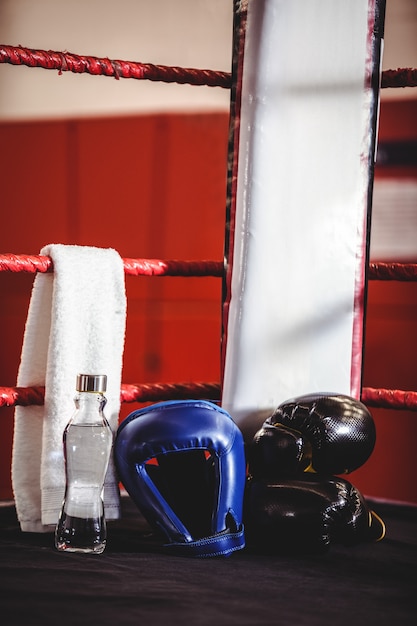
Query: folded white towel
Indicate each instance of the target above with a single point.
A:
(76, 324)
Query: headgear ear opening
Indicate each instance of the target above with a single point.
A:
(193, 489)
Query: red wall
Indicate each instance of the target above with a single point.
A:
(151, 187)
(391, 338)
(155, 187)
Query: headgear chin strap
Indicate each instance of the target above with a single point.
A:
(193, 488)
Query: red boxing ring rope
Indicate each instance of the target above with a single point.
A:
(402, 77)
(27, 396)
(393, 271)
(389, 399)
(150, 392)
(156, 267)
(68, 62)
(79, 64)
(133, 267)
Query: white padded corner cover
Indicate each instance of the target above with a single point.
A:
(305, 169)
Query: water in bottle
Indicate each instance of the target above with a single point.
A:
(87, 446)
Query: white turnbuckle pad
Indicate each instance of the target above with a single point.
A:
(297, 249)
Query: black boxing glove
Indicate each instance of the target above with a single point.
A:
(308, 515)
(323, 433)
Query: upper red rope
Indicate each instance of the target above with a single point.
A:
(69, 62)
(80, 64)
(402, 77)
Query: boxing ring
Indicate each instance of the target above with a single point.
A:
(134, 580)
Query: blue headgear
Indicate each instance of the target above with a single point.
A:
(193, 488)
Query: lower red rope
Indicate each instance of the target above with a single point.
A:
(390, 399)
(151, 392)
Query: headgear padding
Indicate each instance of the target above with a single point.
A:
(193, 489)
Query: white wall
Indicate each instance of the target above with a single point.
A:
(188, 33)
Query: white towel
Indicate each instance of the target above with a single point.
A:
(76, 324)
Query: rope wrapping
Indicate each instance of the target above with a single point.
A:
(133, 267)
(69, 62)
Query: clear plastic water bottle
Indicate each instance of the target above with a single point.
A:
(87, 442)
